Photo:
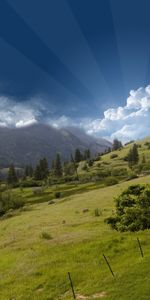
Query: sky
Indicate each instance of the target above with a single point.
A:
(79, 63)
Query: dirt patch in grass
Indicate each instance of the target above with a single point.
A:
(95, 296)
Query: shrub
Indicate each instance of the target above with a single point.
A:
(90, 163)
(85, 167)
(8, 202)
(103, 173)
(119, 172)
(132, 175)
(97, 212)
(57, 195)
(111, 181)
(46, 236)
(114, 155)
(29, 183)
(132, 209)
(37, 190)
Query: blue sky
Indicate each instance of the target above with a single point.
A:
(76, 62)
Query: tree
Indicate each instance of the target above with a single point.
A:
(116, 144)
(28, 171)
(87, 154)
(75, 166)
(132, 209)
(68, 168)
(42, 170)
(143, 159)
(78, 156)
(12, 177)
(133, 156)
(37, 172)
(58, 166)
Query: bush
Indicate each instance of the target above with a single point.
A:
(113, 155)
(103, 173)
(85, 167)
(37, 190)
(132, 175)
(57, 195)
(97, 212)
(29, 183)
(111, 181)
(132, 209)
(90, 163)
(119, 172)
(70, 178)
(46, 236)
(8, 202)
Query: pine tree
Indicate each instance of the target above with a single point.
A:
(133, 156)
(58, 167)
(117, 144)
(44, 168)
(28, 171)
(41, 171)
(37, 172)
(143, 159)
(78, 156)
(87, 154)
(12, 177)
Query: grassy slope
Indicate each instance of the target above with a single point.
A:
(106, 160)
(35, 268)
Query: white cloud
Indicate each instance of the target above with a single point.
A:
(17, 114)
(131, 121)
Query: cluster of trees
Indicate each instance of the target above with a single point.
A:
(116, 145)
(79, 156)
(133, 156)
(58, 169)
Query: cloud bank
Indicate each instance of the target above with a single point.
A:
(131, 121)
(19, 114)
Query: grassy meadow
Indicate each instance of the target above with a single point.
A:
(42, 242)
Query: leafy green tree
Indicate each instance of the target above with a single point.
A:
(132, 209)
(58, 171)
(12, 176)
(68, 168)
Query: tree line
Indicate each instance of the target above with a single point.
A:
(57, 169)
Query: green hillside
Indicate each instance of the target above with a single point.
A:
(108, 162)
(61, 228)
(39, 245)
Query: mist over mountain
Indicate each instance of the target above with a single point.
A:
(27, 145)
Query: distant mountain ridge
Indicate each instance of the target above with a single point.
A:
(27, 145)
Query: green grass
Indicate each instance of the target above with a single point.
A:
(39, 246)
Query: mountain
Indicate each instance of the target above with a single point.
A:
(27, 145)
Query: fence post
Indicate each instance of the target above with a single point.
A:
(141, 250)
(109, 266)
(71, 284)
